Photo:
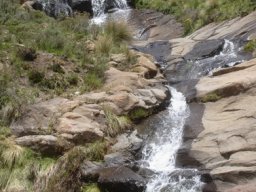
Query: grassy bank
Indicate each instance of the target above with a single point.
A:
(197, 13)
(41, 58)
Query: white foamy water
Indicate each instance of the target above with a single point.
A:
(159, 153)
(99, 7)
(228, 57)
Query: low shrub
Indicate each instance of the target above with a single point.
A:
(35, 76)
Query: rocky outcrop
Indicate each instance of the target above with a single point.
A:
(227, 146)
(219, 134)
(59, 124)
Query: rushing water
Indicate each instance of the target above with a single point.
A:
(56, 8)
(228, 57)
(99, 8)
(159, 153)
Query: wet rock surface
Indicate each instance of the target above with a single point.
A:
(116, 179)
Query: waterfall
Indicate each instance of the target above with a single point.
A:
(159, 153)
(101, 6)
(56, 8)
(98, 7)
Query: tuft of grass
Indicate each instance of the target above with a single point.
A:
(51, 40)
(19, 166)
(118, 31)
(104, 44)
(64, 174)
(95, 151)
(92, 81)
(116, 124)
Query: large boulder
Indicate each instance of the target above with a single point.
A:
(116, 179)
(45, 144)
(226, 144)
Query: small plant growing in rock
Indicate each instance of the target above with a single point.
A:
(139, 113)
(211, 97)
(250, 46)
(116, 124)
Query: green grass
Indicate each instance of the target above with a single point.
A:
(116, 124)
(19, 166)
(65, 175)
(250, 46)
(26, 37)
(197, 13)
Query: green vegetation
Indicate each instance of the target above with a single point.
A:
(65, 175)
(211, 97)
(19, 166)
(41, 56)
(139, 113)
(116, 124)
(250, 46)
(197, 13)
(90, 188)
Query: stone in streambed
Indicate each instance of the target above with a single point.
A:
(117, 179)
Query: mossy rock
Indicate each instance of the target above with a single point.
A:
(93, 187)
(139, 113)
(211, 97)
(250, 46)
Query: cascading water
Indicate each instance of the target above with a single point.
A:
(159, 153)
(99, 9)
(56, 8)
(228, 57)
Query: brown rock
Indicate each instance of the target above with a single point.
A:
(46, 144)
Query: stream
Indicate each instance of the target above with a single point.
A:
(162, 144)
(159, 153)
